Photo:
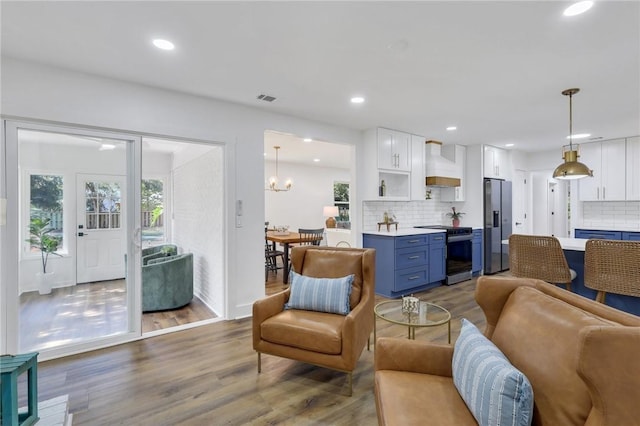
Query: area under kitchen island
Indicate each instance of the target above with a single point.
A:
(574, 249)
(407, 260)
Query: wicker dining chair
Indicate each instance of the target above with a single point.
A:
(541, 257)
(612, 266)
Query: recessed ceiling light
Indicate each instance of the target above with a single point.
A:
(307, 140)
(357, 100)
(163, 44)
(106, 147)
(508, 144)
(578, 8)
(451, 128)
(580, 135)
(316, 160)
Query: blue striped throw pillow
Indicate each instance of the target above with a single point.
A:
(496, 393)
(320, 294)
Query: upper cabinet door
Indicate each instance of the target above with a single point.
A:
(633, 169)
(496, 162)
(607, 160)
(613, 170)
(394, 150)
(589, 187)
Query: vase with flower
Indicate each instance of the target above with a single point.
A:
(455, 217)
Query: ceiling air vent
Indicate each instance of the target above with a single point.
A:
(266, 98)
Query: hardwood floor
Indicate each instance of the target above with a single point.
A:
(92, 310)
(208, 376)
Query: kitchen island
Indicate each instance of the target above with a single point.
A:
(574, 253)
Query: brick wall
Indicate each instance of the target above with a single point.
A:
(197, 223)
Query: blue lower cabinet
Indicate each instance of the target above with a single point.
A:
(603, 235)
(631, 236)
(437, 257)
(476, 252)
(406, 279)
(407, 264)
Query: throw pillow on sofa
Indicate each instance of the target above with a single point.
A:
(320, 294)
(496, 393)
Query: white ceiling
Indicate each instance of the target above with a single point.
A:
(493, 69)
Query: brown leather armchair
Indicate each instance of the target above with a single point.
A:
(327, 340)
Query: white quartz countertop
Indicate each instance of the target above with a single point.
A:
(403, 232)
(611, 228)
(576, 244)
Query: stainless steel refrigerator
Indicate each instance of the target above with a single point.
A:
(497, 224)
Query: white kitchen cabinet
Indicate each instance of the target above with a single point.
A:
(394, 150)
(418, 184)
(386, 156)
(457, 154)
(633, 169)
(496, 162)
(607, 160)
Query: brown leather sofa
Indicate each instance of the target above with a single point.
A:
(582, 359)
(327, 340)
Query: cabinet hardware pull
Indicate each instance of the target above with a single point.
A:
(415, 277)
(598, 193)
(414, 257)
(604, 197)
(413, 241)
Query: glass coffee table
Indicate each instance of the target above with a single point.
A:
(429, 315)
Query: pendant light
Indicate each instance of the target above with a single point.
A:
(273, 180)
(571, 168)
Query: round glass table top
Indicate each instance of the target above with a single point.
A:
(428, 315)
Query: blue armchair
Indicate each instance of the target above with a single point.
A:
(167, 281)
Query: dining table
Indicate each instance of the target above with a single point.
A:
(286, 239)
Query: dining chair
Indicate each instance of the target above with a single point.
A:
(271, 257)
(314, 234)
(541, 257)
(612, 266)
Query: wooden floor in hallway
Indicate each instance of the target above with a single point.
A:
(92, 310)
(208, 376)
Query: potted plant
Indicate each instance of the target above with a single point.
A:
(40, 238)
(455, 217)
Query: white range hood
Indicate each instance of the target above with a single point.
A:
(440, 171)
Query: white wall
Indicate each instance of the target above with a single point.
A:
(302, 206)
(41, 92)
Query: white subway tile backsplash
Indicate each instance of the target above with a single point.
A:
(407, 213)
(611, 214)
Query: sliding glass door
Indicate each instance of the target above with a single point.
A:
(76, 273)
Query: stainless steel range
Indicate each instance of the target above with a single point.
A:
(459, 252)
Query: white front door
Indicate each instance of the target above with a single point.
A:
(101, 227)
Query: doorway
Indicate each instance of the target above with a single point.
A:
(93, 213)
(72, 290)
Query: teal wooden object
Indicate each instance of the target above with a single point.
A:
(11, 366)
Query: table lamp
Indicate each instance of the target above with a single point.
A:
(330, 212)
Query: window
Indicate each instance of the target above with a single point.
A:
(102, 205)
(341, 200)
(152, 211)
(46, 206)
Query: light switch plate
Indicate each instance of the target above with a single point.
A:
(3, 211)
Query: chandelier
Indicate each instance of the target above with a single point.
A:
(273, 180)
(571, 168)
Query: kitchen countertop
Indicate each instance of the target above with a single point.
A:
(576, 244)
(402, 232)
(611, 228)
